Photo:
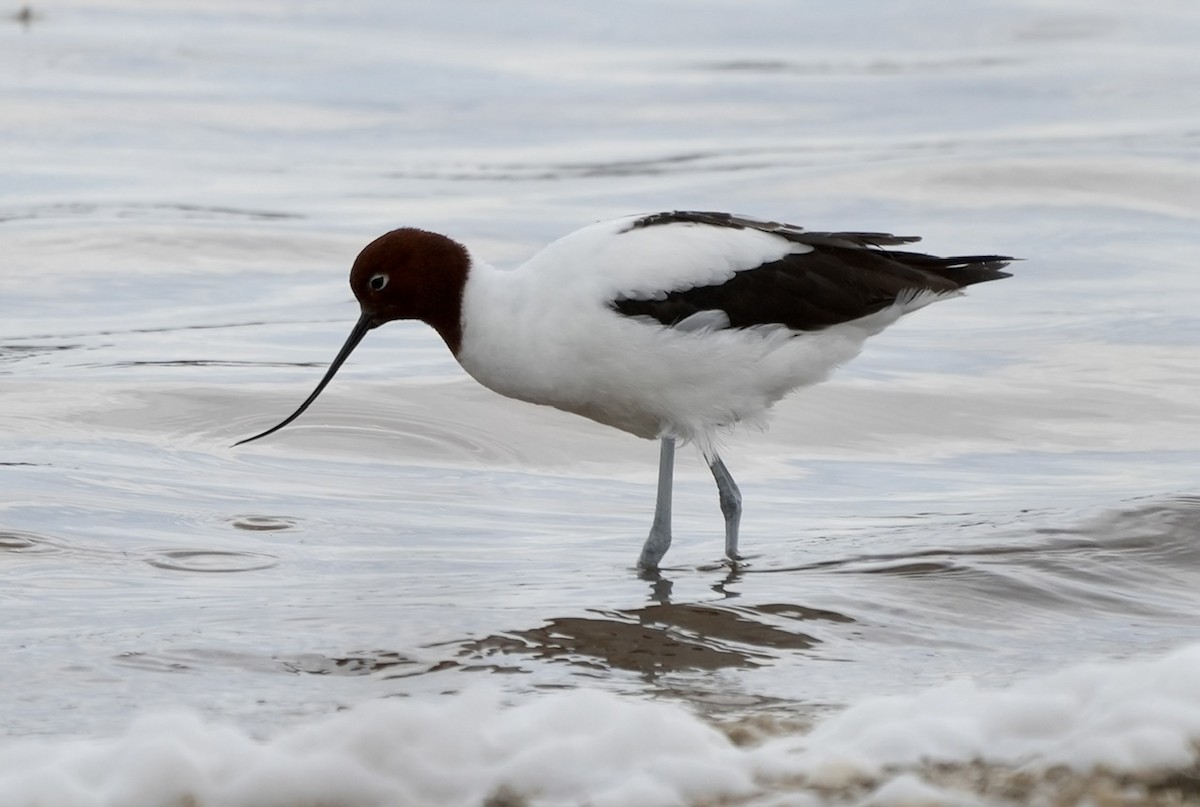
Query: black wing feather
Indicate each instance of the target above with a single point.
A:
(844, 277)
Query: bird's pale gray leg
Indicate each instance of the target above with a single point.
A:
(731, 505)
(659, 539)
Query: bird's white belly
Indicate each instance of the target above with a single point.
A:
(655, 381)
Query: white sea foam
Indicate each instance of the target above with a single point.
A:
(1138, 719)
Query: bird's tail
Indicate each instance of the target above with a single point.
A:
(965, 270)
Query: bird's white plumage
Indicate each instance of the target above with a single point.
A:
(545, 332)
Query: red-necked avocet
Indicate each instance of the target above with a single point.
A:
(672, 326)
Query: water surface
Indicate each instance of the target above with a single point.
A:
(1001, 487)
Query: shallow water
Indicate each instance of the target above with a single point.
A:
(1001, 487)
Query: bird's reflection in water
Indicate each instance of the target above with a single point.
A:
(664, 636)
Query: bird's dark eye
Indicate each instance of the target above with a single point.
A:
(377, 282)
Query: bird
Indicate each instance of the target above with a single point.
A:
(674, 326)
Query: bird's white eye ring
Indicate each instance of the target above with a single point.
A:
(377, 282)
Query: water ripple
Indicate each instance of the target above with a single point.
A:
(353, 664)
(262, 523)
(207, 560)
(133, 210)
(17, 542)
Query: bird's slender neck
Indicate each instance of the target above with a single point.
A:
(447, 321)
(444, 310)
